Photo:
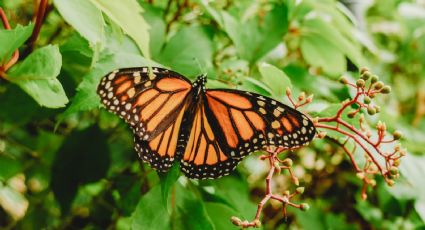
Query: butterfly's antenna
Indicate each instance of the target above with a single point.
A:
(201, 67)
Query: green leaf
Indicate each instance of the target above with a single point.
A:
(194, 215)
(86, 97)
(220, 214)
(332, 38)
(10, 40)
(154, 17)
(74, 164)
(150, 212)
(168, 180)
(187, 49)
(128, 188)
(275, 78)
(369, 212)
(84, 17)
(235, 191)
(128, 15)
(412, 169)
(8, 167)
(304, 81)
(256, 37)
(252, 84)
(319, 52)
(37, 74)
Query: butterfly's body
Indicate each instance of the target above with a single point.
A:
(209, 131)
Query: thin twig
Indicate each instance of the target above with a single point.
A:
(15, 55)
(4, 19)
(177, 14)
(38, 23)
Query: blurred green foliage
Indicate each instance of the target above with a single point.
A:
(65, 163)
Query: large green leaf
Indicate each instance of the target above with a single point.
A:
(168, 180)
(37, 74)
(84, 17)
(128, 15)
(412, 169)
(9, 167)
(86, 97)
(220, 214)
(150, 212)
(193, 213)
(257, 36)
(187, 49)
(235, 192)
(319, 52)
(275, 78)
(154, 16)
(324, 36)
(12, 39)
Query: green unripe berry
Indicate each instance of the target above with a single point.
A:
(374, 78)
(367, 100)
(304, 207)
(343, 80)
(366, 75)
(351, 114)
(287, 162)
(257, 223)
(396, 162)
(236, 221)
(360, 83)
(386, 89)
(360, 175)
(371, 110)
(363, 70)
(397, 135)
(394, 170)
(377, 108)
(300, 190)
(378, 85)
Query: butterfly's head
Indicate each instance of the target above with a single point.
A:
(199, 83)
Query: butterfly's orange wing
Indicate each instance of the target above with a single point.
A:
(153, 105)
(161, 151)
(230, 124)
(245, 122)
(150, 103)
(203, 157)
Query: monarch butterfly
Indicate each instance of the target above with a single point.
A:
(208, 130)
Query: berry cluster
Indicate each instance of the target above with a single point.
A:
(370, 140)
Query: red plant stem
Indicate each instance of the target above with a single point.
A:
(269, 194)
(38, 23)
(291, 100)
(15, 55)
(350, 155)
(338, 120)
(11, 62)
(4, 19)
(356, 140)
(345, 124)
